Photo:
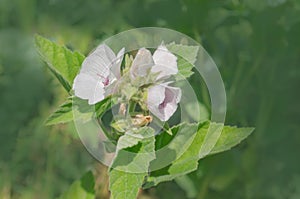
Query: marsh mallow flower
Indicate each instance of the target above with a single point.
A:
(165, 63)
(141, 64)
(98, 72)
(162, 100)
(162, 62)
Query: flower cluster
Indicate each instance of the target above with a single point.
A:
(101, 76)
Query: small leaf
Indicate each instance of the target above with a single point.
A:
(130, 166)
(189, 53)
(131, 138)
(64, 63)
(63, 114)
(186, 57)
(73, 108)
(230, 137)
(120, 125)
(104, 105)
(81, 189)
(80, 109)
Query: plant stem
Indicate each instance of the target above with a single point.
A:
(103, 128)
(131, 107)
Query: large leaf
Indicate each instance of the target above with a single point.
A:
(81, 189)
(64, 63)
(130, 166)
(186, 57)
(170, 147)
(125, 185)
(188, 162)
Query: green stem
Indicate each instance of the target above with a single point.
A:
(104, 130)
(165, 126)
(131, 107)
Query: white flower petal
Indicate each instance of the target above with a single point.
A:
(165, 63)
(163, 100)
(99, 62)
(156, 95)
(116, 66)
(176, 93)
(169, 110)
(98, 72)
(87, 87)
(142, 63)
(173, 96)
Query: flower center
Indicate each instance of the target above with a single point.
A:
(105, 81)
(163, 104)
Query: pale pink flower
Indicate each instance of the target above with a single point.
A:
(165, 63)
(99, 71)
(162, 100)
(162, 62)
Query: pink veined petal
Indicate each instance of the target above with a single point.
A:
(98, 72)
(87, 87)
(165, 63)
(156, 94)
(163, 100)
(176, 92)
(171, 101)
(141, 64)
(116, 65)
(97, 64)
(169, 111)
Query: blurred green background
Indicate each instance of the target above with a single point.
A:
(255, 43)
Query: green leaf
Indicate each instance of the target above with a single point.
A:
(186, 163)
(135, 150)
(170, 146)
(204, 143)
(131, 138)
(230, 137)
(80, 109)
(186, 57)
(73, 108)
(62, 62)
(125, 185)
(63, 114)
(120, 125)
(81, 189)
(104, 105)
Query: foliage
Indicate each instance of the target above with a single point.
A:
(127, 173)
(61, 61)
(81, 189)
(254, 43)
